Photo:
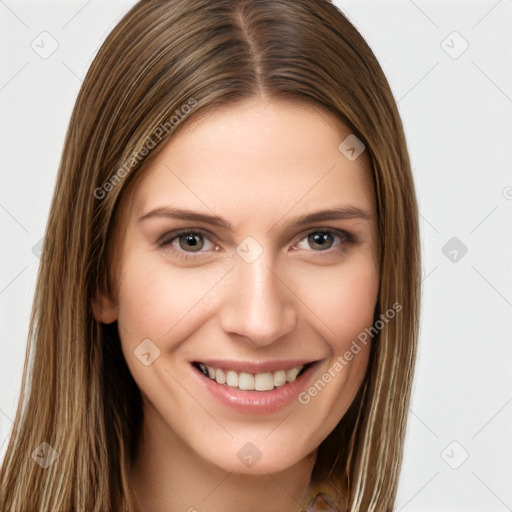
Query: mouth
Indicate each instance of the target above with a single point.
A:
(254, 388)
(254, 380)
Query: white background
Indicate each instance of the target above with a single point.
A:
(457, 114)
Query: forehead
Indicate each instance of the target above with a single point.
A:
(255, 159)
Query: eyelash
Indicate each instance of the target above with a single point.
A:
(167, 239)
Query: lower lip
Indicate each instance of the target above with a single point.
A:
(256, 402)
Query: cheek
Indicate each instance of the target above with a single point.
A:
(146, 302)
(343, 299)
(156, 299)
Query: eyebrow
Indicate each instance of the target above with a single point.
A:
(336, 213)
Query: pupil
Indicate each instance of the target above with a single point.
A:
(191, 242)
(320, 239)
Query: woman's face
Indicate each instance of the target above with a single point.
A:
(222, 273)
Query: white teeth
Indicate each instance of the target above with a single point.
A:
(266, 381)
(246, 381)
(232, 379)
(211, 372)
(292, 373)
(220, 376)
(279, 378)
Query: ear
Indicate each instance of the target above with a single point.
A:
(104, 309)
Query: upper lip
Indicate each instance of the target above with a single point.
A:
(255, 366)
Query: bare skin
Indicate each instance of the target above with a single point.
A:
(259, 165)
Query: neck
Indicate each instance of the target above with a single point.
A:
(168, 475)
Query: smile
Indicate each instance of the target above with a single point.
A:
(254, 387)
(263, 381)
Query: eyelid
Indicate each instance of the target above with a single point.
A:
(342, 233)
(171, 235)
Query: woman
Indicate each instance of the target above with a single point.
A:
(227, 305)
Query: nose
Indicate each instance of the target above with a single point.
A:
(258, 304)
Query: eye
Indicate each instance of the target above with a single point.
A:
(186, 241)
(192, 243)
(324, 240)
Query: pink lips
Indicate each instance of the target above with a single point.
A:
(255, 402)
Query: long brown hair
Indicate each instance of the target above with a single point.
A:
(166, 61)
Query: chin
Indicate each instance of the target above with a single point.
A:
(258, 458)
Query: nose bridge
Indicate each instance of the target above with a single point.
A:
(260, 307)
